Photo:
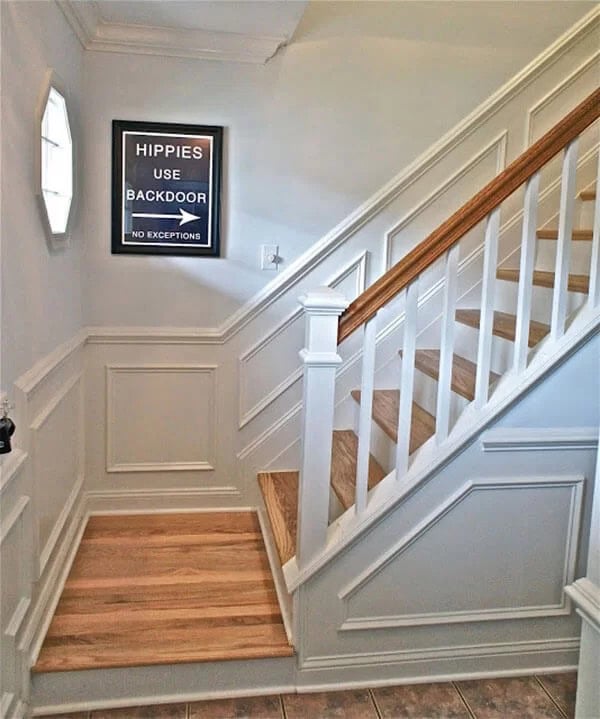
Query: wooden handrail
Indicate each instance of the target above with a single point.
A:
(476, 209)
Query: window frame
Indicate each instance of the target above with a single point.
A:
(56, 240)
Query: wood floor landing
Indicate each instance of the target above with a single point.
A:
(166, 589)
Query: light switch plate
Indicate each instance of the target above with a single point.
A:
(269, 257)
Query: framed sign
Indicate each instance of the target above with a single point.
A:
(166, 188)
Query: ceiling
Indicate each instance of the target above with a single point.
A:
(226, 30)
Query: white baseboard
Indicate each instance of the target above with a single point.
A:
(162, 501)
(53, 582)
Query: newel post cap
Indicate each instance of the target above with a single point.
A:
(325, 299)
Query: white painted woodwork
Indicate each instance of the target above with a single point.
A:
(366, 411)
(527, 514)
(442, 415)
(484, 349)
(585, 593)
(322, 308)
(563, 243)
(594, 290)
(407, 378)
(527, 263)
(144, 401)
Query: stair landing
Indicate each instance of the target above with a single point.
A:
(166, 589)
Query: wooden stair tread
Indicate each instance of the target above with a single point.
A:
(343, 467)
(149, 604)
(385, 413)
(587, 195)
(280, 492)
(542, 278)
(552, 234)
(504, 325)
(464, 371)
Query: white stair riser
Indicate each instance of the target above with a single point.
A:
(581, 252)
(541, 301)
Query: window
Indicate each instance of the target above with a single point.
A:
(56, 162)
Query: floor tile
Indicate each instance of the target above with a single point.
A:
(242, 708)
(518, 698)
(562, 688)
(157, 711)
(434, 701)
(327, 705)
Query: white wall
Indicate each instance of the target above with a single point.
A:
(360, 92)
(41, 480)
(41, 289)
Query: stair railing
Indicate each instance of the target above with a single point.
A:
(330, 320)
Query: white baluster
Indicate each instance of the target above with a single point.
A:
(444, 392)
(322, 309)
(526, 272)
(563, 248)
(407, 377)
(486, 321)
(594, 296)
(366, 412)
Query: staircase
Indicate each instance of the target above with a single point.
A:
(485, 354)
(351, 508)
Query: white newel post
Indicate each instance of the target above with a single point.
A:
(322, 308)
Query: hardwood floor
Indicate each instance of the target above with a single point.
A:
(166, 588)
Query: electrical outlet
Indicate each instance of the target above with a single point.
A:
(269, 257)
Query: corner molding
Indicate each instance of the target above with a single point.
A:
(97, 35)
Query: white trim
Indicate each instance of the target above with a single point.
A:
(152, 501)
(474, 651)
(154, 336)
(9, 523)
(422, 619)
(359, 263)
(5, 703)
(280, 589)
(96, 34)
(207, 465)
(254, 444)
(546, 356)
(20, 710)
(554, 93)
(499, 144)
(586, 595)
(531, 439)
(59, 525)
(18, 616)
(31, 380)
(11, 467)
(51, 589)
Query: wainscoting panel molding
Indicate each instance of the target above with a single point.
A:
(532, 521)
(160, 417)
(56, 436)
(272, 365)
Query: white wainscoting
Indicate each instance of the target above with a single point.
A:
(161, 417)
(272, 364)
(16, 565)
(57, 447)
(521, 533)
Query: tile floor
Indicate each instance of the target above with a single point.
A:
(549, 696)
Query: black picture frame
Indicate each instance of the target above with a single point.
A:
(166, 188)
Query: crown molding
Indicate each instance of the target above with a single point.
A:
(100, 36)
